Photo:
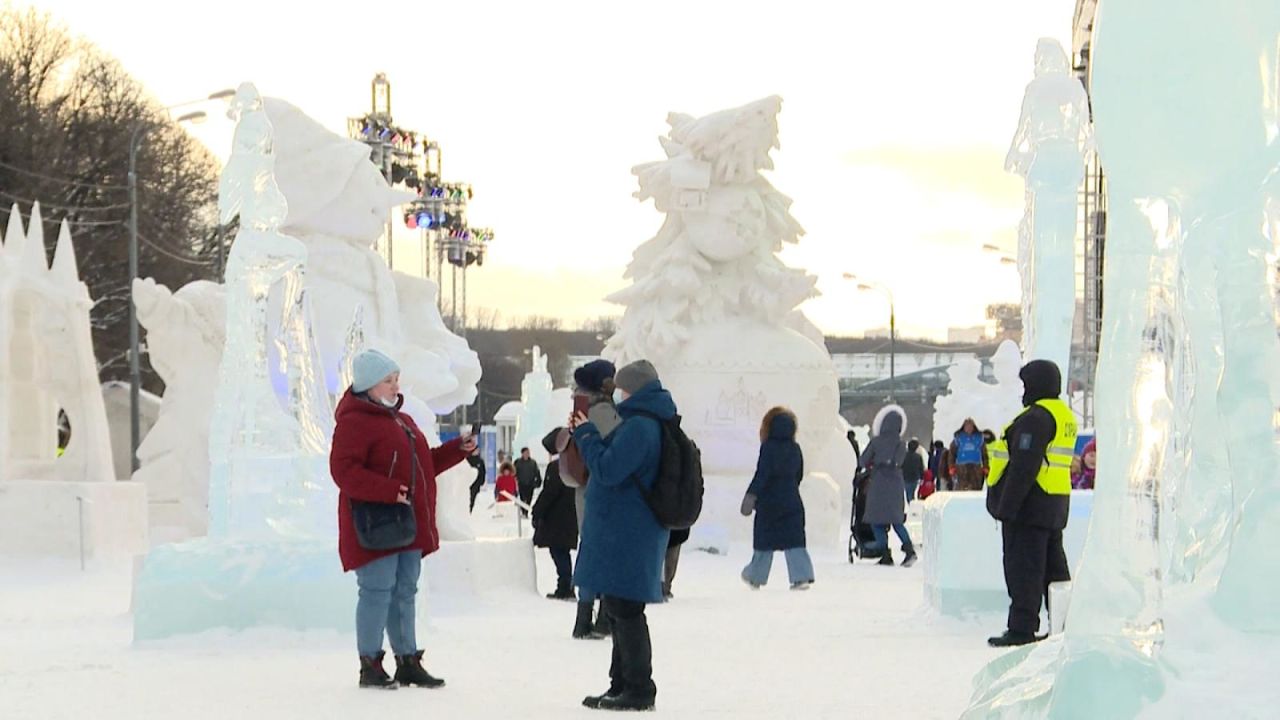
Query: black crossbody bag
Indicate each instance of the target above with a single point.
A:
(388, 526)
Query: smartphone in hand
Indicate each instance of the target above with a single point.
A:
(475, 430)
(581, 404)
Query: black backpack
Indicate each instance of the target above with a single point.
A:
(676, 497)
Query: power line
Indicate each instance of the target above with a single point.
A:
(73, 223)
(65, 181)
(173, 254)
(66, 208)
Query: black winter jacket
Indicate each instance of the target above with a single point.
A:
(555, 515)
(1017, 497)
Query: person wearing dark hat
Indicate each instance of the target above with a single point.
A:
(380, 456)
(594, 382)
(1029, 492)
(623, 545)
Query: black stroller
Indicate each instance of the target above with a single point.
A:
(860, 533)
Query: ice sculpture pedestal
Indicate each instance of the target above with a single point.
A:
(205, 584)
(963, 571)
(48, 518)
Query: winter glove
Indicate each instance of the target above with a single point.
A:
(748, 504)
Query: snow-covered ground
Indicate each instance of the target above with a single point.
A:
(858, 644)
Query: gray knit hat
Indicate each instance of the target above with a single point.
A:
(632, 378)
(370, 368)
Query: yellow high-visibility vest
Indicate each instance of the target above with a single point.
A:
(1055, 475)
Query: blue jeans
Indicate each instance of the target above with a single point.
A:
(882, 537)
(388, 586)
(799, 566)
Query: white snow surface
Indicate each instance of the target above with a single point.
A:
(859, 642)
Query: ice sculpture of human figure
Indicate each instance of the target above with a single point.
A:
(271, 421)
(1184, 101)
(1049, 151)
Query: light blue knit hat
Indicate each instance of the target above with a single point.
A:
(370, 368)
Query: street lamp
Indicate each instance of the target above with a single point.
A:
(893, 328)
(140, 129)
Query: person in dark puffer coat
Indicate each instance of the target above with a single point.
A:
(774, 496)
(555, 522)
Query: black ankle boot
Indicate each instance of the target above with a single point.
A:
(372, 675)
(409, 671)
(886, 559)
(910, 558)
(582, 629)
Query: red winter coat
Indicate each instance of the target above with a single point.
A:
(371, 459)
(507, 483)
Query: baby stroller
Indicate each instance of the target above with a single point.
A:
(860, 533)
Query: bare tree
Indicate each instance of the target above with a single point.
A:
(537, 322)
(605, 325)
(67, 113)
(486, 318)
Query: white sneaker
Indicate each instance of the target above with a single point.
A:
(802, 585)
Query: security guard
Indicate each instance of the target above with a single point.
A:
(1029, 492)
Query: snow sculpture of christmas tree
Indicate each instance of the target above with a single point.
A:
(715, 309)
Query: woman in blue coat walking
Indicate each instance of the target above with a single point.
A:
(774, 496)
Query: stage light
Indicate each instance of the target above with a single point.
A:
(411, 221)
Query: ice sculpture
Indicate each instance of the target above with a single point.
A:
(272, 419)
(47, 361)
(1185, 111)
(541, 409)
(991, 406)
(186, 332)
(711, 280)
(1049, 150)
(338, 205)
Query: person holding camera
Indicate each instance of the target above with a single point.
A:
(386, 476)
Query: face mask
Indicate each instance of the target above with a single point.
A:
(617, 397)
(389, 403)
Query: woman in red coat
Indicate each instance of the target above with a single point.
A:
(380, 456)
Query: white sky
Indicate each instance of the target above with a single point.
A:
(895, 121)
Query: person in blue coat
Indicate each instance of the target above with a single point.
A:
(774, 496)
(623, 545)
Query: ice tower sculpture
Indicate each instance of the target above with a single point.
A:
(1049, 150)
(1186, 116)
(541, 410)
(272, 420)
(710, 280)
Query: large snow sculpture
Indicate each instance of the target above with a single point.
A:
(1184, 99)
(186, 332)
(1048, 151)
(991, 406)
(715, 309)
(338, 204)
(46, 364)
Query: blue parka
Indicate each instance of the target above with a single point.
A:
(779, 523)
(623, 546)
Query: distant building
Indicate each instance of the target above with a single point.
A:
(967, 335)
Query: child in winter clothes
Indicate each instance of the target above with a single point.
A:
(506, 483)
